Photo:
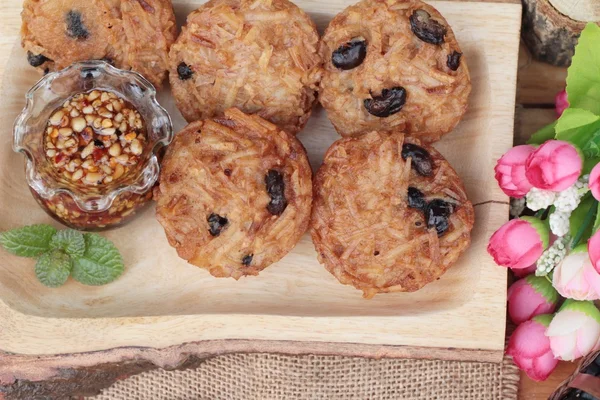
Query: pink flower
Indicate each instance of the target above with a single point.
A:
(575, 277)
(555, 166)
(519, 242)
(595, 182)
(530, 348)
(575, 330)
(522, 273)
(594, 251)
(529, 297)
(510, 171)
(561, 103)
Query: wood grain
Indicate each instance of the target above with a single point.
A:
(579, 10)
(538, 82)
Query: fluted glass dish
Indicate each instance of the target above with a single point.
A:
(90, 207)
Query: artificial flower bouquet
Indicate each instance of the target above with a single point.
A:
(554, 246)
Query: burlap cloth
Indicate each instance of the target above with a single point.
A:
(278, 377)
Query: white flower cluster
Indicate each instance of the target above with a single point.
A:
(552, 256)
(568, 200)
(559, 222)
(538, 199)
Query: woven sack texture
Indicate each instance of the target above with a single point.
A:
(281, 377)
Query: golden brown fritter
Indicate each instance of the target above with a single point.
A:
(389, 214)
(260, 56)
(130, 34)
(393, 66)
(235, 194)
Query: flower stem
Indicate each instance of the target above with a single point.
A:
(586, 223)
(540, 213)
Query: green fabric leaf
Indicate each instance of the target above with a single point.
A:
(573, 118)
(53, 268)
(578, 218)
(589, 164)
(544, 319)
(586, 307)
(581, 136)
(541, 285)
(543, 135)
(28, 241)
(583, 78)
(597, 222)
(101, 263)
(69, 241)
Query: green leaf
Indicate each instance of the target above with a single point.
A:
(69, 241)
(589, 164)
(28, 241)
(583, 78)
(586, 307)
(579, 218)
(53, 268)
(544, 319)
(597, 221)
(101, 263)
(543, 135)
(581, 136)
(573, 118)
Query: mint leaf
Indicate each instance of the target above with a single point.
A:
(583, 78)
(53, 268)
(28, 241)
(69, 241)
(100, 264)
(543, 135)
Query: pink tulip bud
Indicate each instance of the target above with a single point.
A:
(594, 251)
(575, 330)
(522, 273)
(575, 277)
(519, 242)
(561, 103)
(595, 182)
(530, 348)
(529, 297)
(510, 171)
(555, 165)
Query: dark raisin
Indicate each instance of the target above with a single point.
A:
(454, 60)
(35, 60)
(118, 133)
(216, 224)
(46, 71)
(99, 143)
(437, 214)
(427, 29)
(390, 102)
(421, 160)
(184, 71)
(376, 253)
(75, 27)
(350, 55)
(227, 172)
(276, 189)
(247, 260)
(416, 199)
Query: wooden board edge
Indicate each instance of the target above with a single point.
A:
(63, 375)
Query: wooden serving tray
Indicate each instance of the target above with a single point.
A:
(162, 310)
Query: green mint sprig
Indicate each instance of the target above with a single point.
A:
(89, 258)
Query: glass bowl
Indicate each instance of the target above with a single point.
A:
(95, 207)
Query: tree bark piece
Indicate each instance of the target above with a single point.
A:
(551, 35)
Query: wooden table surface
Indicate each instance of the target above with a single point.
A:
(537, 85)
